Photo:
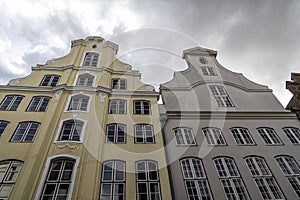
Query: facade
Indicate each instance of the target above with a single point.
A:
(227, 137)
(294, 87)
(82, 127)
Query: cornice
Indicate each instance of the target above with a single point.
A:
(236, 115)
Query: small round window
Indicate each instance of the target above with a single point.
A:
(94, 46)
(203, 60)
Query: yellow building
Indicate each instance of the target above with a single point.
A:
(82, 127)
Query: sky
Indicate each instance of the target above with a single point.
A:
(259, 38)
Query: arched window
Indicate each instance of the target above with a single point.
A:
(242, 136)
(263, 178)
(269, 136)
(71, 130)
(142, 107)
(116, 133)
(78, 102)
(143, 133)
(91, 59)
(214, 136)
(230, 178)
(293, 134)
(113, 180)
(25, 132)
(291, 170)
(147, 180)
(11, 102)
(195, 180)
(184, 136)
(3, 125)
(85, 80)
(59, 179)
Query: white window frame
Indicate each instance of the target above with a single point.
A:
(40, 103)
(79, 94)
(144, 134)
(11, 103)
(142, 107)
(212, 135)
(208, 71)
(264, 131)
(25, 133)
(293, 134)
(52, 76)
(261, 173)
(46, 169)
(116, 133)
(6, 125)
(118, 101)
(119, 83)
(229, 175)
(240, 132)
(184, 135)
(194, 178)
(113, 181)
(221, 96)
(61, 123)
(147, 180)
(83, 59)
(84, 74)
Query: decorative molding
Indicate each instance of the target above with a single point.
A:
(67, 145)
(14, 81)
(102, 97)
(50, 62)
(57, 95)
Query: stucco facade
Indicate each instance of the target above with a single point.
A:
(226, 136)
(56, 144)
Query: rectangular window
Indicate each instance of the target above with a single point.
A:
(25, 132)
(242, 136)
(3, 126)
(91, 59)
(116, 133)
(214, 136)
(117, 106)
(79, 102)
(208, 71)
(38, 104)
(85, 80)
(143, 133)
(269, 136)
(184, 136)
(142, 107)
(120, 84)
(221, 96)
(11, 102)
(50, 80)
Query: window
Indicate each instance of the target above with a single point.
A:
(59, 179)
(221, 96)
(50, 80)
(9, 171)
(143, 133)
(11, 102)
(293, 134)
(3, 125)
(291, 170)
(117, 106)
(120, 84)
(242, 136)
(116, 133)
(263, 178)
(85, 80)
(208, 71)
(230, 178)
(147, 180)
(213, 136)
(91, 59)
(71, 130)
(38, 104)
(25, 132)
(142, 107)
(195, 180)
(269, 136)
(113, 180)
(78, 102)
(184, 136)
(203, 60)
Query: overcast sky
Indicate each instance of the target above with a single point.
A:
(259, 38)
